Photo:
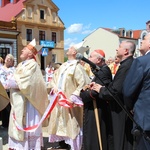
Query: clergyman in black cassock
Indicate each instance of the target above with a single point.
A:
(90, 135)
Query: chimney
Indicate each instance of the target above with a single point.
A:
(4, 2)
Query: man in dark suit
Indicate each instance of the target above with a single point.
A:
(121, 124)
(137, 92)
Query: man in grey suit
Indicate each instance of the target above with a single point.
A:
(136, 92)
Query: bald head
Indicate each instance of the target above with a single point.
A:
(125, 49)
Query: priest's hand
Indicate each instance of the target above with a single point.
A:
(96, 87)
(55, 90)
(86, 87)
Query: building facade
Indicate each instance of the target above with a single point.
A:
(34, 19)
(8, 39)
(109, 39)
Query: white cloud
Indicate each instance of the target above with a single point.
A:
(77, 31)
(69, 42)
(79, 28)
(87, 27)
(87, 31)
(114, 28)
(75, 28)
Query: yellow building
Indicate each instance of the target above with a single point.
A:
(23, 20)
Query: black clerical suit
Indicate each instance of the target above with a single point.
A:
(90, 136)
(122, 125)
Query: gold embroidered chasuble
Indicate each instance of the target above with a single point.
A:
(69, 78)
(4, 99)
(32, 88)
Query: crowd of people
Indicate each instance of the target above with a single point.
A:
(84, 108)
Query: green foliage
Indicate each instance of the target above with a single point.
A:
(65, 59)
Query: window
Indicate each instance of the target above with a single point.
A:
(143, 37)
(54, 16)
(131, 34)
(123, 33)
(41, 35)
(29, 34)
(53, 58)
(24, 14)
(42, 14)
(30, 12)
(4, 52)
(54, 37)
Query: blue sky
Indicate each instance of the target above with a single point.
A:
(81, 17)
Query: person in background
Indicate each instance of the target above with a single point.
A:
(114, 66)
(49, 71)
(28, 101)
(122, 125)
(1, 61)
(56, 66)
(66, 123)
(90, 132)
(110, 60)
(136, 91)
(6, 70)
(46, 73)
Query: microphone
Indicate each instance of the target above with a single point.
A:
(79, 56)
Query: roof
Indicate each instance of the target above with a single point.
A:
(11, 10)
(136, 34)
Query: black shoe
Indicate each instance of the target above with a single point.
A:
(3, 127)
(61, 145)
